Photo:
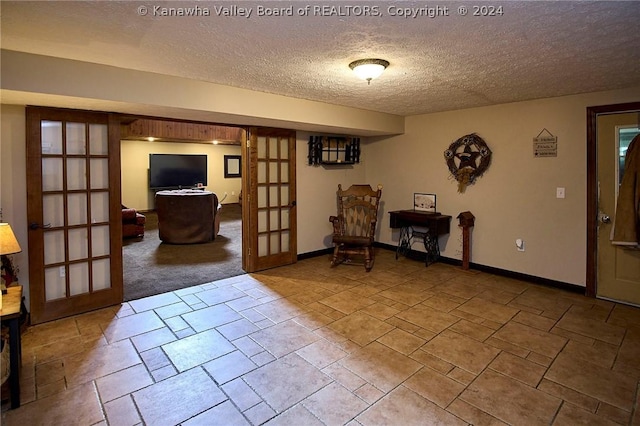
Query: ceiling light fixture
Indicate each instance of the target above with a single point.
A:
(368, 69)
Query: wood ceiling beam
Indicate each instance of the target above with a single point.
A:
(175, 131)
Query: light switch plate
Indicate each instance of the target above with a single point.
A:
(559, 192)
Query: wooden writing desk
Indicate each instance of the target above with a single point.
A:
(11, 316)
(437, 224)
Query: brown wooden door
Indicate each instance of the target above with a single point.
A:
(269, 206)
(73, 211)
(618, 272)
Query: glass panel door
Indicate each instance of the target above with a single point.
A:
(71, 202)
(74, 162)
(272, 209)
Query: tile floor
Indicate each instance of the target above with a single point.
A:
(312, 345)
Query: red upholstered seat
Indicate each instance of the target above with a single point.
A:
(132, 223)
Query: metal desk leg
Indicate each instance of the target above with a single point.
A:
(432, 248)
(404, 244)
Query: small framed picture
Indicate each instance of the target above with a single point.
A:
(232, 166)
(424, 202)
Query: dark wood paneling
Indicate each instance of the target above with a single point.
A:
(176, 131)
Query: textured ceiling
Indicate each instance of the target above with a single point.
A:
(535, 49)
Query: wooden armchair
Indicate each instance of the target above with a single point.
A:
(354, 227)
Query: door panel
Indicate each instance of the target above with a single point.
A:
(618, 269)
(269, 213)
(73, 211)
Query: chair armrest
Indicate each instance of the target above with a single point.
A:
(140, 219)
(129, 215)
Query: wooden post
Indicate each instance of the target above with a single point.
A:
(467, 220)
(465, 247)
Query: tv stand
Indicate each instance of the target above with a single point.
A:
(178, 188)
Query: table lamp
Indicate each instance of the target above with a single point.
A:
(8, 245)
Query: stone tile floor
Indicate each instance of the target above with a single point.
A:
(313, 345)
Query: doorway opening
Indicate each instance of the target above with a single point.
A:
(612, 271)
(150, 266)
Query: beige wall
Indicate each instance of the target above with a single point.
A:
(516, 197)
(135, 166)
(316, 195)
(13, 186)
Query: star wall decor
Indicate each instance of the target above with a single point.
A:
(467, 158)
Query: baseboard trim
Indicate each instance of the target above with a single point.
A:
(518, 275)
(478, 267)
(316, 253)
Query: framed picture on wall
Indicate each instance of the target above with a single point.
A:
(232, 167)
(424, 202)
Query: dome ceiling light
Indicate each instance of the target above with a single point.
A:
(368, 69)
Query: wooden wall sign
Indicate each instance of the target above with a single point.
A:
(545, 146)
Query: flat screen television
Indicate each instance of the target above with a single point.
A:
(177, 170)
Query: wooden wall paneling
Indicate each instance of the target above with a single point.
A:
(175, 131)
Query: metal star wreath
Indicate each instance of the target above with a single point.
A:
(468, 158)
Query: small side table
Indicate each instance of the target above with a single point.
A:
(11, 316)
(437, 224)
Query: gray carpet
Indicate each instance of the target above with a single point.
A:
(152, 267)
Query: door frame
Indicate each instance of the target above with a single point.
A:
(592, 187)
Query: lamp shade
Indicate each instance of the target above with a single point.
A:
(368, 69)
(8, 242)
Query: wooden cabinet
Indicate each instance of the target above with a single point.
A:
(333, 150)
